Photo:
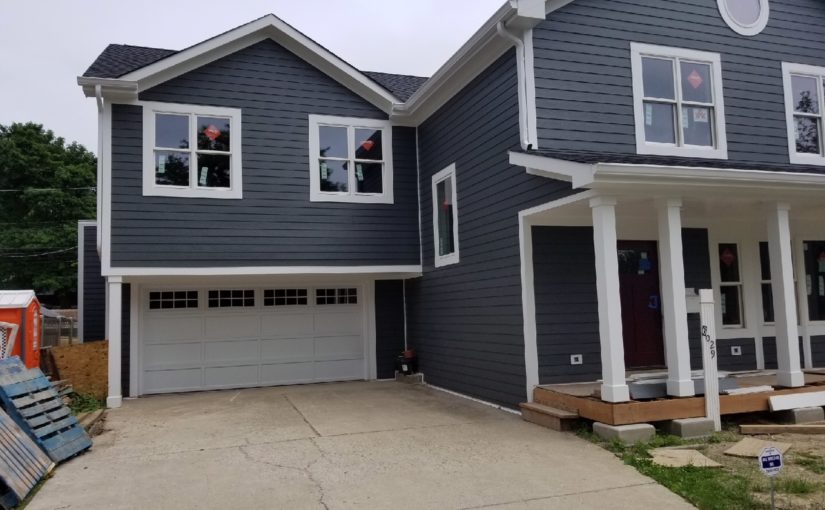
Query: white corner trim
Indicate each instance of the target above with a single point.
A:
(789, 69)
(530, 90)
(134, 337)
(150, 188)
(418, 203)
(269, 26)
(720, 150)
(351, 124)
(370, 355)
(104, 222)
(746, 29)
(528, 305)
(443, 175)
(412, 271)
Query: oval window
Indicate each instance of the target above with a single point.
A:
(745, 17)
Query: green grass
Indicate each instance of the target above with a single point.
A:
(706, 488)
(812, 462)
(80, 403)
(796, 486)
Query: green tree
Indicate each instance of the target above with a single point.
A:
(46, 186)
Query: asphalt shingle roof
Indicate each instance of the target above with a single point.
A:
(120, 59)
(593, 157)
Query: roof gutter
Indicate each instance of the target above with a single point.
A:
(108, 87)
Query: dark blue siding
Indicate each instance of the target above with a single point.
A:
(465, 320)
(818, 351)
(567, 316)
(389, 325)
(94, 288)
(583, 71)
(275, 223)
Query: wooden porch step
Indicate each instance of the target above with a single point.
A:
(550, 417)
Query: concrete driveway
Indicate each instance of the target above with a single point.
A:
(348, 445)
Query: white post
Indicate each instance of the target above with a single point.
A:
(789, 373)
(674, 302)
(614, 385)
(114, 286)
(709, 357)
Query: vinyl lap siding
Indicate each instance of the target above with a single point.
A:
(94, 288)
(389, 325)
(274, 223)
(583, 75)
(465, 320)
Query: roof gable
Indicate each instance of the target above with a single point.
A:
(154, 66)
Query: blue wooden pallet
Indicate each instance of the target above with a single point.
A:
(22, 462)
(31, 401)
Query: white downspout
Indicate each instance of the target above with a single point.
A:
(98, 184)
(521, 62)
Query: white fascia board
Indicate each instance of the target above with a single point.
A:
(268, 27)
(580, 174)
(110, 87)
(554, 5)
(410, 271)
(605, 173)
(473, 57)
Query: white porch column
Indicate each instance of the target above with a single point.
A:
(674, 303)
(789, 373)
(614, 384)
(114, 286)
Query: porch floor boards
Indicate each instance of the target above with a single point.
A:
(583, 398)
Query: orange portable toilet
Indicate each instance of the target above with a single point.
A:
(22, 308)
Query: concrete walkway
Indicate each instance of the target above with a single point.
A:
(336, 446)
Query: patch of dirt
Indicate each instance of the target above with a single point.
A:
(85, 366)
(804, 469)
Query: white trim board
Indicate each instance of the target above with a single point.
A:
(411, 271)
(797, 401)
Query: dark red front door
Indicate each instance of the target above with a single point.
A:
(641, 304)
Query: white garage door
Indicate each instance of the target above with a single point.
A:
(199, 339)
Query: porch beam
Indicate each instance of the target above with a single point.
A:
(674, 302)
(614, 385)
(114, 286)
(789, 373)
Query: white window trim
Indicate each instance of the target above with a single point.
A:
(351, 196)
(720, 151)
(789, 69)
(747, 30)
(235, 191)
(452, 258)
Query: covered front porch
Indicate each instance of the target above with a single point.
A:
(611, 274)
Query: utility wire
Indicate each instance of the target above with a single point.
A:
(85, 188)
(23, 256)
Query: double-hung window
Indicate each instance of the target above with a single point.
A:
(678, 102)
(191, 151)
(445, 217)
(350, 160)
(804, 97)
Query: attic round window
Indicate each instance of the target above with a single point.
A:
(745, 17)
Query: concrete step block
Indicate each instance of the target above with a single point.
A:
(550, 417)
(803, 415)
(635, 433)
(690, 428)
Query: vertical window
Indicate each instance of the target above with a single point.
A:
(191, 151)
(350, 160)
(730, 287)
(767, 289)
(445, 217)
(678, 102)
(804, 98)
(814, 252)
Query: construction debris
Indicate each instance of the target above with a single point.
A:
(678, 457)
(752, 447)
(808, 428)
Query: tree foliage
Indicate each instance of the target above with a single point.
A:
(46, 186)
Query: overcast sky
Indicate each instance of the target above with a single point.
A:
(46, 44)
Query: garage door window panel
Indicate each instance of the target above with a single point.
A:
(173, 300)
(285, 297)
(231, 298)
(339, 296)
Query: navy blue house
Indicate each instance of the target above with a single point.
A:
(543, 209)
